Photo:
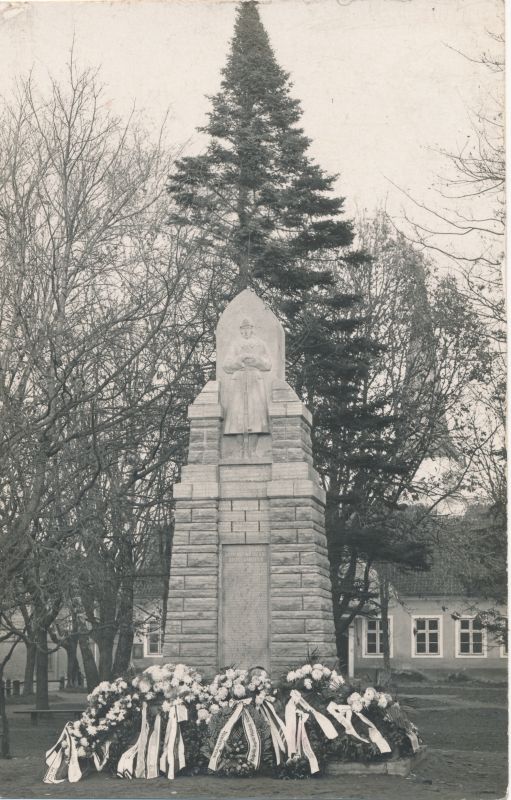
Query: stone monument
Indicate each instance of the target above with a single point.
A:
(250, 581)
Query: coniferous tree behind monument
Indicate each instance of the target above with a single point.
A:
(258, 199)
(266, 217)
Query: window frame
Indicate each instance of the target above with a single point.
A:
(484, 637)
(365, 620)
(147, 634)
(413, 632)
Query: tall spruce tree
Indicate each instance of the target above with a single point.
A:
(256, 195)
(267, 218)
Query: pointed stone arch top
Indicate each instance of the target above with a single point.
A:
(247, 305)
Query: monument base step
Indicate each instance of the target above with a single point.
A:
(397, 766)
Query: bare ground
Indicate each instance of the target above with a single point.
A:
(465, 728)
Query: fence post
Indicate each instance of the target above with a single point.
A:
(16, 688)
(62, 683)
(8, 687)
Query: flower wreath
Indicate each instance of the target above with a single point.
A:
(244, 732)
(372, 726)
(166, 721)
(112, 710)
(305, 692)
(158, 704)
(169, 738)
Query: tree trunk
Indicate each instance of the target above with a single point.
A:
(5, 743)
(384, 611)
(42, 700)
(73, 667)
(89, 664)
(126, 631)
(123, 651)
(105, 644)
(28, 680)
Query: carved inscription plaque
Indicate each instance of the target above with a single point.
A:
(244, 629)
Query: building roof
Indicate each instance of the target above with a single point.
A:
(444, 578)
(440, 580)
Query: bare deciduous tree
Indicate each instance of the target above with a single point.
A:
(100, 321)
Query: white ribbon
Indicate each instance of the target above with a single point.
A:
(125, 765)
(153, 748)
(343, 714)
(375, 735)
(140, 753)
(142, 744)
(63, 763)
(254, 743)
(296, 736)
(296, 701)
(173, 746)
(303, 745)
(101, 757)
(277, 729)
(414, 741)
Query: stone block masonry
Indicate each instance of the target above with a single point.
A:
(250, 579)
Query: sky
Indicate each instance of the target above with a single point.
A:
(383, 84)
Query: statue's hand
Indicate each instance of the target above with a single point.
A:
(250, 361)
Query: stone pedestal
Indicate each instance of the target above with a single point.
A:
(250, 581)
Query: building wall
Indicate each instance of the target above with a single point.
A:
(403, 656)
(142, 657)
(15, 667)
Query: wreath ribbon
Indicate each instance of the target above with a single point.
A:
(254, 742)
(63, 763)
(144, 753)
(100, 756)
(414, 740)
(296, 736)
(126, 761)
(344, 713)
(153, 748)
(277, 729)
(173, 756)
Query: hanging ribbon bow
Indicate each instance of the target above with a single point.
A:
(296, 736)
(344, 713)
(173, 756)
(254, 743)
(62, 759)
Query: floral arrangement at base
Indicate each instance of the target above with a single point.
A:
(159, 704)
(308, 730)
(169, 738)
(373, 727)
(369, 726)
(245, 733)
(111, 707)
(165, 721)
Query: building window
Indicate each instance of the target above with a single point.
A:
(373, 638)
(470, 638)
(426, 636)
(153, 639)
